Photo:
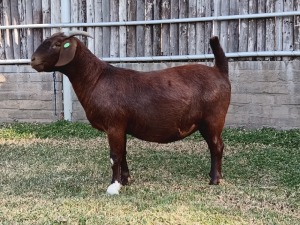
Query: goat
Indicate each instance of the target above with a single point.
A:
(159, 106)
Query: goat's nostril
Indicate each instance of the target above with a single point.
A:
(32, 59)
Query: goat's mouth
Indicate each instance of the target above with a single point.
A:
(38, 67)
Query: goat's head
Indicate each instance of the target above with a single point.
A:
(56, 51)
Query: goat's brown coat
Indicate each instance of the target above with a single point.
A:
(160, 106)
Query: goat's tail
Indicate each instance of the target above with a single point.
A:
(220, 58)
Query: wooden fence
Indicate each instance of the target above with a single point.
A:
(244, 35)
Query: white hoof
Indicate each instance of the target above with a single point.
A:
(114, 188)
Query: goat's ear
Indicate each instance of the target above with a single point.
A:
(67, 52)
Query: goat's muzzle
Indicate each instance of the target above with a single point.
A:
(36, 64)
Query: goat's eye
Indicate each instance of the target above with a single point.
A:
(56, 45)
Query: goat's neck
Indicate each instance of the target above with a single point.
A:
(84, 72)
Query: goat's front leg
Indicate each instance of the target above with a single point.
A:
(117, 143)
(125, 175)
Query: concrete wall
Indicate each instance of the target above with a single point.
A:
(27, 96)
(264, 94)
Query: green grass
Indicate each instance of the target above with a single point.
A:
(58, 173)
(58, 130)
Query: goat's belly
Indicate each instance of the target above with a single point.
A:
(163, 135)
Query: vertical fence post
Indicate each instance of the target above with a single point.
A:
(215, 31)
(67, 89)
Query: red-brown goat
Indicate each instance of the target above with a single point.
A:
(159, 106)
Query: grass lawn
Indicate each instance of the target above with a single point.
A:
(58, 173)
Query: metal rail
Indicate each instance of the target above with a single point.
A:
(178, 57)
(151, 22)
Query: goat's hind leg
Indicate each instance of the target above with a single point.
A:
(216, 152)
(212, 136)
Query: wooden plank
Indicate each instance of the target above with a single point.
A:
(106, 30)
(37, 19)
(278, 26)
(74, 10)
(98, 30)
(23, 33)
(288, 29)
(297, 26)
(261, 27)
(122, 29)
(165, 28)
(74, 15)
(233, 25)
(2, 44)
(29, 33)
(174, 28)
(288, 25)
(2, 40)
(56, 16)
(140, 29)
(252, 40)
(270, 28)
(131, 30)
(200, 28)
(15, 32)
(157, 28)
(8, 33)
(244, 27)
(82, 19)
(114, 40)
(46, 18)
(183, 28)
(192, 12)
(225, 7)
(82, 11)
(90, 18)
(148, 28)
(77, 15)
(208, 26)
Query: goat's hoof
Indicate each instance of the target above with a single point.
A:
(215, 178)
(114, 188)
(126, 180)
(214, 182)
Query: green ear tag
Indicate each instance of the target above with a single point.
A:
(67, 45)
